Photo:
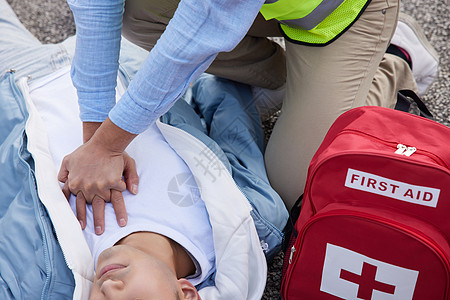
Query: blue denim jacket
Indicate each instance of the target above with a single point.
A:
(31, 261)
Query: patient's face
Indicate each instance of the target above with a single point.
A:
(124, 272)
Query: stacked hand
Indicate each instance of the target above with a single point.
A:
(98, 172)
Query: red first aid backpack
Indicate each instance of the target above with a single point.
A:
(375, 218)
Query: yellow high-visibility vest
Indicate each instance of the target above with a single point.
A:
(314, 22)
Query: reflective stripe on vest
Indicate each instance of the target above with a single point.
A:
(323, 10)
(304, 15)
(313, 22)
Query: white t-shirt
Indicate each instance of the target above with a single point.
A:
(168, 202)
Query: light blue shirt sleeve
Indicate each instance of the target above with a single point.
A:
(199, 30)
(95, 63)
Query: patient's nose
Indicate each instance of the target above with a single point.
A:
(111, 288)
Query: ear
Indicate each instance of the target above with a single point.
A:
(189, 291)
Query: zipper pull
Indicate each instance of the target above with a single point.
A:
(400, 149)
(409, 151)
(292, 254)
(264, 246)
(11, 71)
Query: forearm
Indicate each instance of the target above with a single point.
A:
(95, 64)
(199, 30)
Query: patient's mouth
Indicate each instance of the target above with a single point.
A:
(110, 268)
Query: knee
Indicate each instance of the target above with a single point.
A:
(130, 18)
(145, 20)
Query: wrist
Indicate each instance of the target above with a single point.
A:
(112, 137)
(89, 128)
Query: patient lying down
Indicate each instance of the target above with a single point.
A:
(164, 242)
(166, 248)
(146, 257)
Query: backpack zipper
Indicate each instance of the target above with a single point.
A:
(292, 254)
(404, 150)
(401, 148)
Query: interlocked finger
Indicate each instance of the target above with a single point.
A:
(66, 190)
(119, 207)
(81, 209)
(98, 210)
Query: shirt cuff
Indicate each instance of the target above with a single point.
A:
(130, 116)
(94, 107)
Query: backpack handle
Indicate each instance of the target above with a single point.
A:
(404, 100)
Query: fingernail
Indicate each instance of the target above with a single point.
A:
(134, 189)
(98, 230)
(81, 223)
(122, 222)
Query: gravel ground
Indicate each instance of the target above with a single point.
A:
(51, 22)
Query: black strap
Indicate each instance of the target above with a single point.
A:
(289, 229)
(404, 100)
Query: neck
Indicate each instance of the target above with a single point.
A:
(164, 249)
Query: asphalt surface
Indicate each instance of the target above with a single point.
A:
(51, 22)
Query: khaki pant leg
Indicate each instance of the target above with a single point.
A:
(256, 60)
(322, 83)
(393, 75)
